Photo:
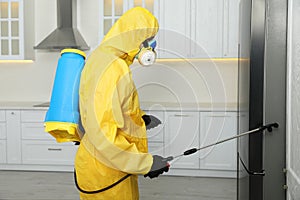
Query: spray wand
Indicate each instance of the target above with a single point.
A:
(269, 128)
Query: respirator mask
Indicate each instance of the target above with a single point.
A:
(147, 55)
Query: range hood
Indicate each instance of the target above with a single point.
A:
(66, 34)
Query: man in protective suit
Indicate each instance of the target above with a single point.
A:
(113, 150)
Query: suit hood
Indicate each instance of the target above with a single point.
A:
(130, 30)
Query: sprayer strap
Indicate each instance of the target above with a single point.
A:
(100, 190)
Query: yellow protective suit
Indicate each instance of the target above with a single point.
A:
(115, 141)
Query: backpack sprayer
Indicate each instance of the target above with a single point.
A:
(269, 128)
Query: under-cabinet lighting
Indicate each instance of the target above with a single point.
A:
(16, 61)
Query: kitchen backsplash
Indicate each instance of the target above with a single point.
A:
(166, 81)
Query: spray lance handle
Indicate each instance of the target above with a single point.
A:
(187, 152)
(190, 151)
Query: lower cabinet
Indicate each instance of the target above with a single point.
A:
(193, 129)
(2, 137)
(2, 151)
(28, 147)
(182, 133)
(24, 145)
(39, 147)
(13, 137)
(156, 148)
(47, 153)
(156, 135)
(216, 126)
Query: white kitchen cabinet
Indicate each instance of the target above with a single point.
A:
(156, 135)
(3, 151)
(24, 145)
(2, 125)
(231, 28)
(156, 148)
(216, 126)
(174, 36)
(201, 29)
(214, 29)
(39, 147)
(13, 135)
(47, 152)
(188, 29)
(207, 28)
(2, 137)
(182, 133)
(2, 131)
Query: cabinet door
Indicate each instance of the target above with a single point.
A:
(175, 28)
(156, 148)
(32, 125)
(2, 130)
(2, 116)
(156, 134)
(231, 28)
(34, 131)
(2, 125)
(207, 28)
(216, 126)
(2, 151)
(48, 152)
(182, 133)
(13, 127)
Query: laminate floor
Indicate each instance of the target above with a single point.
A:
(26, 185)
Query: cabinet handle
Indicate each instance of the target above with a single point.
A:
(181, 115)
(54, 149)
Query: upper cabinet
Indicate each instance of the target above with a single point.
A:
(174, 39)
(11, 29)
(189, 28)
(207, 28)
(198, 28)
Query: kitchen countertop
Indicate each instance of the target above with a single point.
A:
(24, 105)
(189, 106)
(155, 106)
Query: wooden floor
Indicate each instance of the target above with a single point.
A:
(24, 185)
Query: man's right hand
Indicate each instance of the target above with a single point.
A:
(159, 166)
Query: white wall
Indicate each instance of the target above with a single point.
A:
(184, 81)
(163, 82)
(187, 81)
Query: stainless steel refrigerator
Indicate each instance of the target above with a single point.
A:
(261, 97)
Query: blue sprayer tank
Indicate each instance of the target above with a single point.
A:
(62, 119)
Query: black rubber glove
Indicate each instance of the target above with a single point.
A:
(146, 119)
(151, 121)
(159, 166)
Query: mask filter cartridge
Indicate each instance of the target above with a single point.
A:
(147, 55)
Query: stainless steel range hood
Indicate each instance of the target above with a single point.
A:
(66, 34)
